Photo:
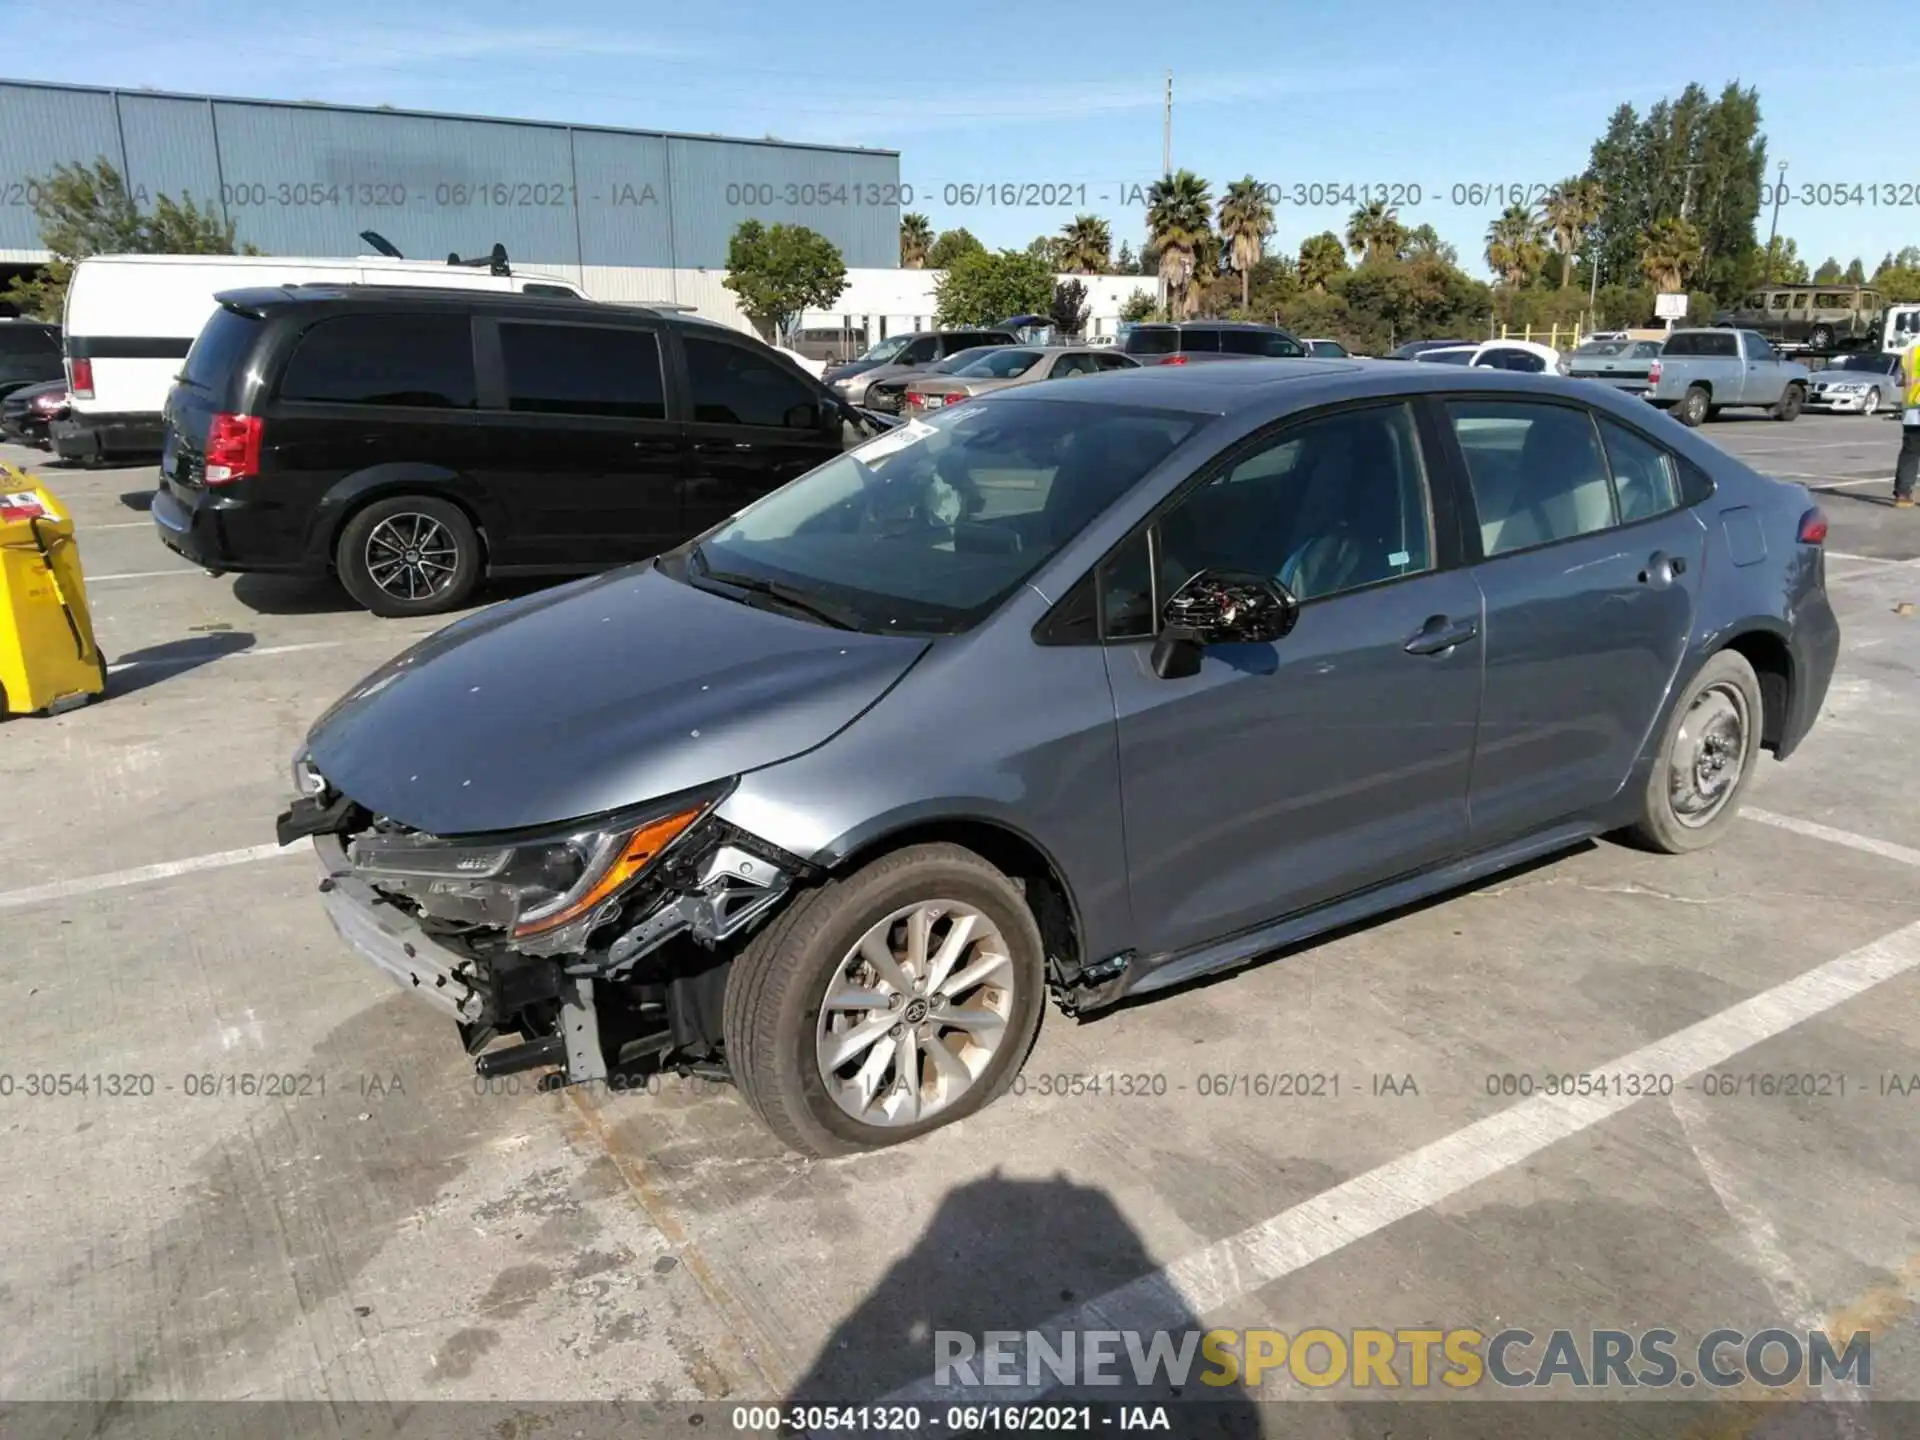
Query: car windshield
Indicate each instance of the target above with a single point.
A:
(927, 528)
(1601, 347)
(999, 364)
(1878, 364)
(963, 357)
(887, 349)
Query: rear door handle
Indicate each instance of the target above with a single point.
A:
(709, 446)
(1661, 568)
(1440, 634)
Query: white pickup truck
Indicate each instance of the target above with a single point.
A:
(1701, 372)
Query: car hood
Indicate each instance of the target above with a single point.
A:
(1863, 378)
(602, 694)
(850, 368)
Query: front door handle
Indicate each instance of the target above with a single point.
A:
(709, 446)
(1440, 634)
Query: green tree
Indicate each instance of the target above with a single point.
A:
(1322, 257)
(1048, 250)
(1856, 272)
(1138, 306)
(87, 210)
(780, 271)
(1516, 246)
(1786, 267)
(950, 246)
(1246, 219)
(1423, 242)
(1670, 254)
(916, 238)
(1374, 232)
(1123, 263)
(1179, 224)
(1569, 211)
(1086, 245)
(983, 289)
(1828, 273)
(1069, 309)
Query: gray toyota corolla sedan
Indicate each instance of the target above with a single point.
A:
(1072, 693)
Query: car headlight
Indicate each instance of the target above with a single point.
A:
(549, 889)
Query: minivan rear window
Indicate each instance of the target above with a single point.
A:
(424, 361)
(28, 340)
(221, 347)
(1703, 342)
(1153, 340)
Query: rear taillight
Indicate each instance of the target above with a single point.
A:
(916, 402)
(233, 448)
(1813, 527)
(47, 404)
(1653, 373)
(1174, 360)
(81, 380)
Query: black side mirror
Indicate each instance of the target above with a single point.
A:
(1220, 607)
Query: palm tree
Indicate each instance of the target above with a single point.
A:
(1668, 253)
(1423, 242)
(1374, 231)
(1246, 219)
(1516, 247)
(916, 238)
(1569, 209)
(1321, 258)
(1179, 214)
(1085, 245)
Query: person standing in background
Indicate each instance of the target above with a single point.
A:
(1908, 467)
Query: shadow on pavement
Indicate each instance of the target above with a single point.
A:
(141, 500)
(1011, 1255)
(137, 669)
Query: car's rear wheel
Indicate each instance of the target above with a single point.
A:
(886, 1004)
(1789, 404)
(409, 555)
(1705, 760)
(1871, 404)
(1693, 406)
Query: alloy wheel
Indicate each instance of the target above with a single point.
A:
(411, 556)
(1709, 755)
(914, 1013)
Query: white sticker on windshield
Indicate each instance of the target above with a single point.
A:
(895, 440)
(1398, 558)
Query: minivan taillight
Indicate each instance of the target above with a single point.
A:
(233, 448)
(1174, 360)
(1813, 527)
(1653, 373)
(81, 381)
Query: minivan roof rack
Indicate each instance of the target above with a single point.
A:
(495, 260)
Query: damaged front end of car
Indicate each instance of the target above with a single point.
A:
(597, 949)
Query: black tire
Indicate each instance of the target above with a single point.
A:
(1789, 404)
(1694, 406)
(441, 593)
(1659, 826)
(777, 984)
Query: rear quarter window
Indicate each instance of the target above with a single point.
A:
(221, 349)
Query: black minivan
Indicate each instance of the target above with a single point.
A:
(1180, 344)
(413, 440)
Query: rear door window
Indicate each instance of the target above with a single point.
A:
(733, 386)
(1703, 342)
(1197, 338)
(1536, 471)
(1643, 475)
(424, 361)
(583, 370)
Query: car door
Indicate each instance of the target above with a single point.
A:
(1284, 775)
(1765, 376)
(1590, 569)
(753, 425)
(583, 451)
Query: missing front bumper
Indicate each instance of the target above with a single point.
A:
(390, 940)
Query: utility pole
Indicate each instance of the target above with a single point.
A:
(1166, 173)
(1773, 226)
(1593, 289)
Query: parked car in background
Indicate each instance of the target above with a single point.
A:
(900, 355)
(1866, 382)
(1077, 691)
(1326, 349)
(1209, 340)
(1817, 316)
(1701, 372)
(1623, 364)
(1415, 347)
(889, 396)
(130, 320)
(1523, 356)
(1015, 365)
(412, 440)
(29, 354)
(27, 414)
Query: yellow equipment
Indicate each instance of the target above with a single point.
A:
(48, 659)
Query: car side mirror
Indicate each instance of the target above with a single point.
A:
(1220, 607)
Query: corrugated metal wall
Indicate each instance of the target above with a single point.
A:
(307, 179)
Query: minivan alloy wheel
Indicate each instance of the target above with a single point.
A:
(1708, 756)
(915, 1013)
(411, 556)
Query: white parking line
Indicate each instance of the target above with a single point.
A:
(141, 874)
(1814, 830)
(1200, 1284)
(118, 525)
(140, 575)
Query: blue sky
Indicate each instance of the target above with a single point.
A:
(1434, 95)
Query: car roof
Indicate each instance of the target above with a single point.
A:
(260, 298)
(1208, 325)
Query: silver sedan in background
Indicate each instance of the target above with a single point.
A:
(1012, 365)
(1865, 383)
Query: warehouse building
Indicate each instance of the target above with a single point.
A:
(629, 215)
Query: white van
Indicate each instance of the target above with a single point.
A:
(130, 320)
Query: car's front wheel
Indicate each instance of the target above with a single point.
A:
(1705, 760)
(1870, 405)
(409, 555)
(886, 1004)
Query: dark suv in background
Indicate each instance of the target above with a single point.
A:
(1209, 340)
(413, 440)
(29, 354)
